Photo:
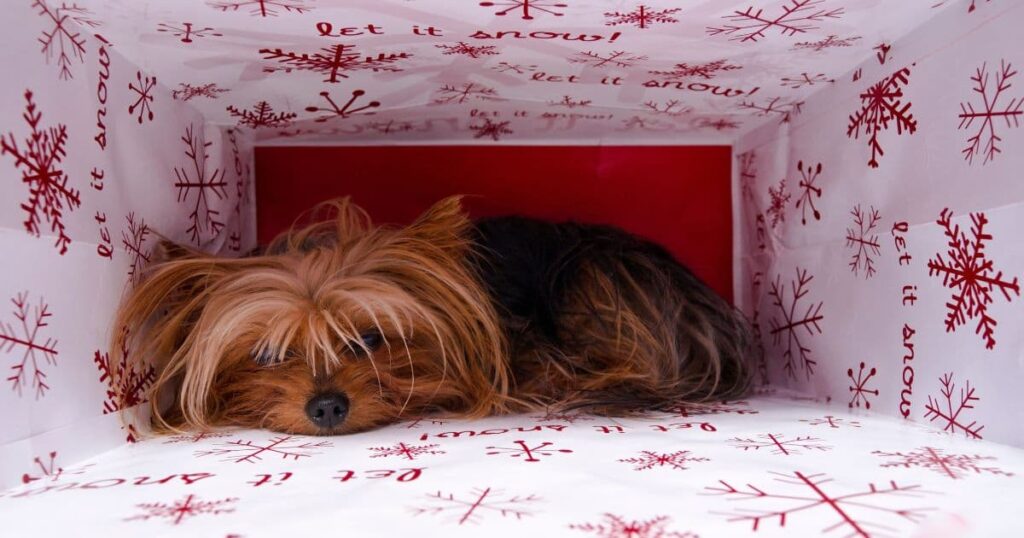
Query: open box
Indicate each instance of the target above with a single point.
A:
(846, 170)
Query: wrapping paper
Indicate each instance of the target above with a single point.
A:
(774, 465)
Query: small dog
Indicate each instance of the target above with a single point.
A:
(342, 326)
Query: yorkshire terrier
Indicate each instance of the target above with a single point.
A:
(341, 326)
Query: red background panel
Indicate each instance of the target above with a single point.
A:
(676, 196)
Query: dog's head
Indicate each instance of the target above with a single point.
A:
(337, 327)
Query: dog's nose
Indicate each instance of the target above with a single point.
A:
(327, 409)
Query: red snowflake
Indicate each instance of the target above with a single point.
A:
(617, 527)
(450, 94)
(880, 104)
(132, 383)
(851, 510)
(807, 178)
(649, 460)
(525, 7)
(287, 446)
(61, 39)
(785, 110)
(806, 79)
(779, 199)
(568, 102)
(144, 103)
(705, 70)
(949, 414)
(832, 41)
(987, 115)
(262, 8)
(615, 58)
(178, 511)
(860, 393)
(133, 241)
(186, 32)
(863, 240)
(969, 271)
(954, 466)
(26, 336)
(833, 422)
(642, 17)
(797, 354)
(194, 437)
(202, 218)
(465, 49)
(495, 130)
(479, 502)
(261, 115)
(779, 445)
(48, 188)
(335, 61)
(49, 471)
(531, 453)
(720, 124)
(796, 18)
(343, 112)
(672, 108)
(520, 69)
(403, 450)
(188, 91)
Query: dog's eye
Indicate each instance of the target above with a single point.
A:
(265, 357)
(369, 342)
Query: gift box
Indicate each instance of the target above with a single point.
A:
(847, 172)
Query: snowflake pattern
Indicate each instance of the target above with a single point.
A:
(808, 190)
(287, 446)
(60, 39)
(672, 108)
(261, 115)
(649, 460)
(615, 58)
(790, 322)
(403, 450)
(779, 197)
(615, 526)
(186, 91)
(262, 8)
(186, 31)
(947, 413)
(785, 110)
(479, 502)
(806, 79)
(194, 437)
(865, 243)
(831, 421)
(127, 383)
(955, 466)
(796, 18)
(49, 471)
(851, 510)
(49, 193)
(858, 388)
(881, 104)
(470, 91)
(203, 219)
(134, 240)
(830, 42)
(178, 511)
(345, 111)
(969, 271)
(568, 102)
(642, 17)
(705, 70)
(526, 8)
(24, 335)
(144, 102)
(494, 130)
(529, 453)
(779, 445)
(991, 110)
(465, 49)
(335, 61)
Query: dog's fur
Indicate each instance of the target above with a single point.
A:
(505, 315)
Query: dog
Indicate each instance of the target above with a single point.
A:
(342, 326)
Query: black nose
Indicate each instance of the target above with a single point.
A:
(328, 409)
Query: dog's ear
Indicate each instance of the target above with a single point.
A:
(445, 224)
